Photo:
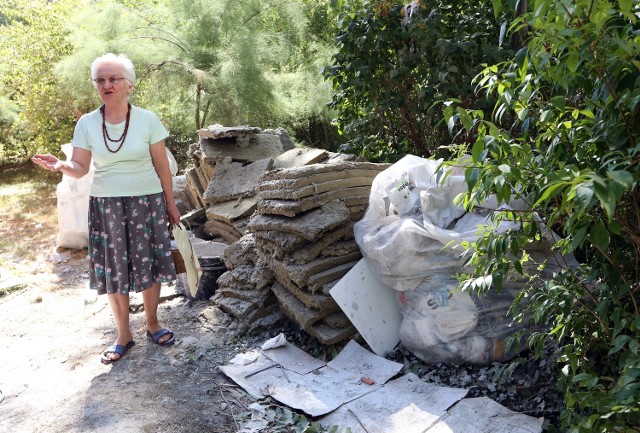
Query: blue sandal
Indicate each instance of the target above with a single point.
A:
(156, 336)
(116, 348)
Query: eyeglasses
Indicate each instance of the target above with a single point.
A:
(112, 80)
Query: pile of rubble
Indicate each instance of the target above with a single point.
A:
(287, 214)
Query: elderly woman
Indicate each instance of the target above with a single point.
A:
(131, 202)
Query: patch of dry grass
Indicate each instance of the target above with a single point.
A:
(29, 223)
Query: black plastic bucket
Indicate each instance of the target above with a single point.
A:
(212, 268)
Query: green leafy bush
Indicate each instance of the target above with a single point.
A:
(389, 72)
(564, 137)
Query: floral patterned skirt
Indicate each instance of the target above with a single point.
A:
(129, 244)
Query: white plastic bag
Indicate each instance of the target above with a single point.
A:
(189, 256)
(73, 207)
(411, 217)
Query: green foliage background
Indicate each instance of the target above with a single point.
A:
(198, 63)
(564, 138)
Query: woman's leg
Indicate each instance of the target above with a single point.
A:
(151, 299)
(120, 309)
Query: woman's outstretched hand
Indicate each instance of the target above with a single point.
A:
(47, 161)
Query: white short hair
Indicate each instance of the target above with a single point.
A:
(128, 72)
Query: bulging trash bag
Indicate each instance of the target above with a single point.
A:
(412, 234)
(73, 207)
(441, 323)
(412, 217)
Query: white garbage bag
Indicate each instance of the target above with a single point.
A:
(412, 234)
(73, 207)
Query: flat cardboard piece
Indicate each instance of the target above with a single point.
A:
(403, 405)
(371, 306)
(321, 390)
(339, 382)
(480, 415)
(293, 358)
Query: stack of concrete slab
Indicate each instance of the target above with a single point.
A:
(228, 163)
(304, 233)
(244, 290)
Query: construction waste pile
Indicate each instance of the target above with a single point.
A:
(287, 214)
(339, 246)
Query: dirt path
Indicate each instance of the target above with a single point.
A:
(52, 380)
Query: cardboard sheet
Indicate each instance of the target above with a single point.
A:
(481, 415)
(403, 405)
(319, 391)
(371, 306)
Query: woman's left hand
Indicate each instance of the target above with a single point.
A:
(173, 213)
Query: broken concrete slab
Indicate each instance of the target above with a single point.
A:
(245, 294)
(297, 311)
(283, 245)
(243, 251)
(309, 226)
(311, 251)
(311, 300)
(300, 156)
(233, 210)
(317, 281)
(292, 208)
(300, 273)
(235, 306)
(315, 188)
(233, 181)
(229, 232)
(287, 142)
(371, 306)
(239, 275)
(341, 248)
(241, 133)
(309, 171)
(316, 301)
(328, 335)
(259, 146)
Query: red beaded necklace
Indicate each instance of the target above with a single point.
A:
(105, 134)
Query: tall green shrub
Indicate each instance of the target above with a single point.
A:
(36, 112)
(564, 137)
(389, 72)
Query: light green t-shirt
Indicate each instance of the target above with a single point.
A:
(130, 171)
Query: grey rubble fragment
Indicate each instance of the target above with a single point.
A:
(241, 252)
(231, 181)
(365, 175)
(228, 232)
(317, 282)
(299, 156)
(232, 210)
(257, 147)
(316, 188)
(309, 226)
(300, 273)
(310, 170)
(292, 208)
(218, 131)
(317, 301)
(296, 310)
(287, 245)
(317, 328)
